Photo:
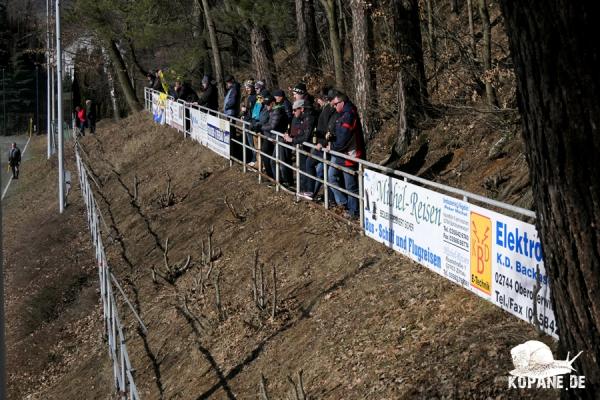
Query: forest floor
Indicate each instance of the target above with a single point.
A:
(359, 321)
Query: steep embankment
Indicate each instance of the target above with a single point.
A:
(53, 321)
(359, 320)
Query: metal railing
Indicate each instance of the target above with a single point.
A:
(298, 150)
(123, 373)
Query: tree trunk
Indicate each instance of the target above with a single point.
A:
(215, 49)
(557, 62)
(307, 35)
(262, 56)
(197, 19)
(111, 85)
(471, 30)
(412, 85)
(362, 66)
(119, 64)
(486, 54)
(454, 6)
(334, 40)
(430, 32)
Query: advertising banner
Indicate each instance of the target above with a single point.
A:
(497, 257)
(199, 127)
(218, 134)
(158, 108)
(175, 115)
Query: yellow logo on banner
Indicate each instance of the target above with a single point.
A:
(481, 249)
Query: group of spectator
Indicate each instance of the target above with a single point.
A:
(328, 120)
(85, 117)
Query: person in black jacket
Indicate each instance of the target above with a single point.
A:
(90, 107)
(281, 98)
(277, 121)
(14, 160)
(210, 96)
(325, 123)
(186, 93)
(301, 130)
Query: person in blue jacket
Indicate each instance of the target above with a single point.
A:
(231, 103)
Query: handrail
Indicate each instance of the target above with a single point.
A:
(122, 370)
(463, 194)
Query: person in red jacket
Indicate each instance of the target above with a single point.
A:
(81, 119)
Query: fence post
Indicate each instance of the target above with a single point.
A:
(361, 197)
(122, 354)
(259, 158)
(230, 135)
(325, 182)
(276, 162)
(244, 160)
(298, 175)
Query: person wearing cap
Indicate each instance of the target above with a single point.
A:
(231, 103)
(259, 86)
(348, 139)
(301, 93)
(278, 121)
(301, 131)
(281, 98)
(210, 96)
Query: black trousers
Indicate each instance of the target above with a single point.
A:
(15, 170)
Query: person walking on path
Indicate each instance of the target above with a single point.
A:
(14, 160)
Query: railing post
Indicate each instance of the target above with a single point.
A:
(325, 180)
(244, 160)
(259, 158)
(298, 175)
(361, 198)
(276, 162)
(230, 135)
(122, 354)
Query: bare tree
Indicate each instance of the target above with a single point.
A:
(307, 34)
(214, 44)
(557, 63)
(262, 55)
(471, 30)
(486, 53)
(412, 85)
(334, 40)
(363, 79)
(118, 63)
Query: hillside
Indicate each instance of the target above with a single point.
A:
(359, 320)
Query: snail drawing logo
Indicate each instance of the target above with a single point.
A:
(535, 367)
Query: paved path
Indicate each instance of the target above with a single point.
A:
(5, 143)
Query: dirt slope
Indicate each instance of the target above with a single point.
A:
(53, 323)
(360, 321)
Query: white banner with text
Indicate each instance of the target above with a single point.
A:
(497, 257)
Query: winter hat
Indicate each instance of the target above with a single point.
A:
(278, 93)
(259, 85)
(249, 83)
(229, 78)
(300, 88)
(268, 99)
